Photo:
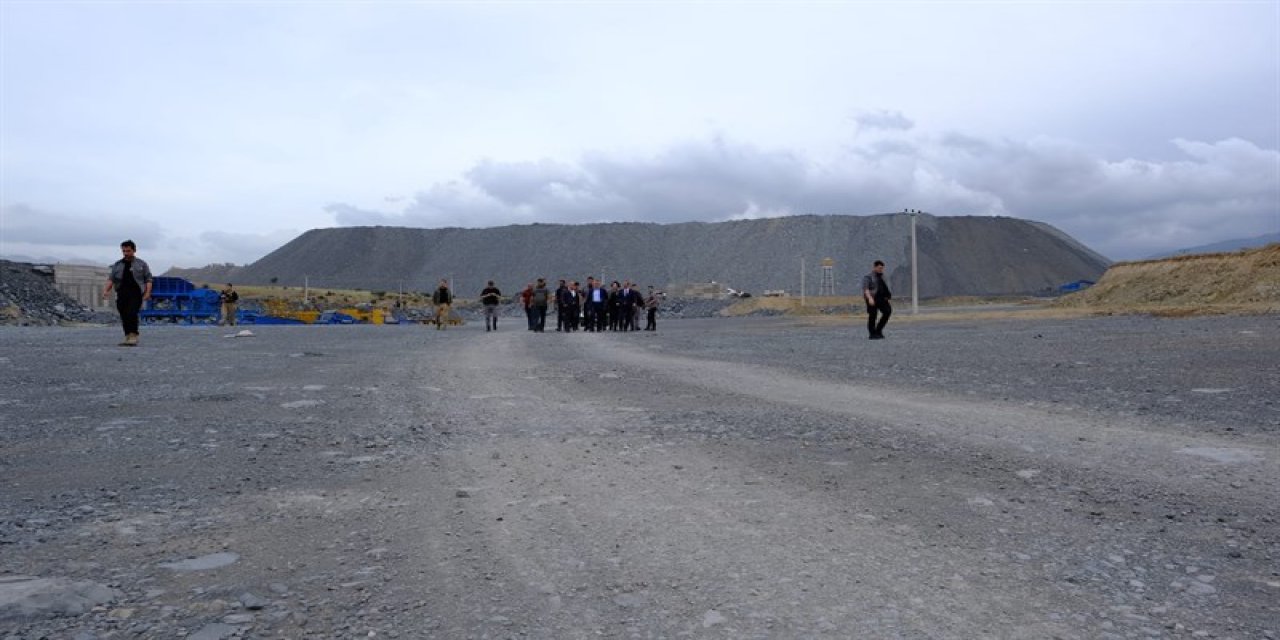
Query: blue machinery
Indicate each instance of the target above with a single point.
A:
(177, 300)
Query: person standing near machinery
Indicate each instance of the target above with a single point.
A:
(230, 300)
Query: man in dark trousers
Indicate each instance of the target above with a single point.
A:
(574, 308)
(595, 299)
(540, 300)
(628, 299)
(490, 297)
(615, 302)
(131, 278)
(562, 306)
(651, 303)
(876, 292)
(526, 300)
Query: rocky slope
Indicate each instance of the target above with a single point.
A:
(957, 255)
(1241, 281)
(29, 297)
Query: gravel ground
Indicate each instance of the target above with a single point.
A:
(720, 478)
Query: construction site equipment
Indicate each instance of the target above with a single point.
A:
(255, 316)
(335, 317)
(177, 300)
(367, 315)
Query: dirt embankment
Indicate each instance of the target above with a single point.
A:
(1211, 283)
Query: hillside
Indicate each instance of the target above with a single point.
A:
(220, 273)
(1242, 281)
(1237, 244)
(958, 255)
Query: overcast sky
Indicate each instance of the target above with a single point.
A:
(215, 132)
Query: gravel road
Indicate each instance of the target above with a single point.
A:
(1107, 477)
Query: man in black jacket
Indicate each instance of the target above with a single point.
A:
(490, 297)
(595, 299)
(562, 304)
(876, 292)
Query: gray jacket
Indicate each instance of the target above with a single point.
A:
(141, 273)
(869, 285)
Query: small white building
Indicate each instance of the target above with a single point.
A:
(83, 283)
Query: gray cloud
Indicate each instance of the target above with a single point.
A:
(95, 239)
(882, 121)
(242, 248)
(28, 225)
(1124, 208)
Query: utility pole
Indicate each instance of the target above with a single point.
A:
(802, 281)
(915, 290)
(306, 282)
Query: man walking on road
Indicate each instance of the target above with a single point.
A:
(443, 299)
(562, 304)
(131, 278)
(541, 298)
(596, 298)
(876, 292)
(526, 300)
(651, 303)
(490, 297)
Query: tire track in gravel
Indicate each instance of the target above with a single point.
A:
(1115, 510)
(568, 525)
(1082, 439)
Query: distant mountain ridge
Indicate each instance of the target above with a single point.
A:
(957, 255)
(1226, 245)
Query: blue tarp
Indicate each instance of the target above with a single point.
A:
(1075, 286)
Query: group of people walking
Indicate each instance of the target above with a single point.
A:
(592, 308)
(595, 307)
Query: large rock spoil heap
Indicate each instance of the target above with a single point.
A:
(28, 297)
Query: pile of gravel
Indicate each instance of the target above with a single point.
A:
(966, 255)
(28, 297)
(693, 307)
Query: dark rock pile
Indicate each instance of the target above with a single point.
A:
(28, 297)
(693, 307)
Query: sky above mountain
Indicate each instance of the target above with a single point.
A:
(216, 132)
